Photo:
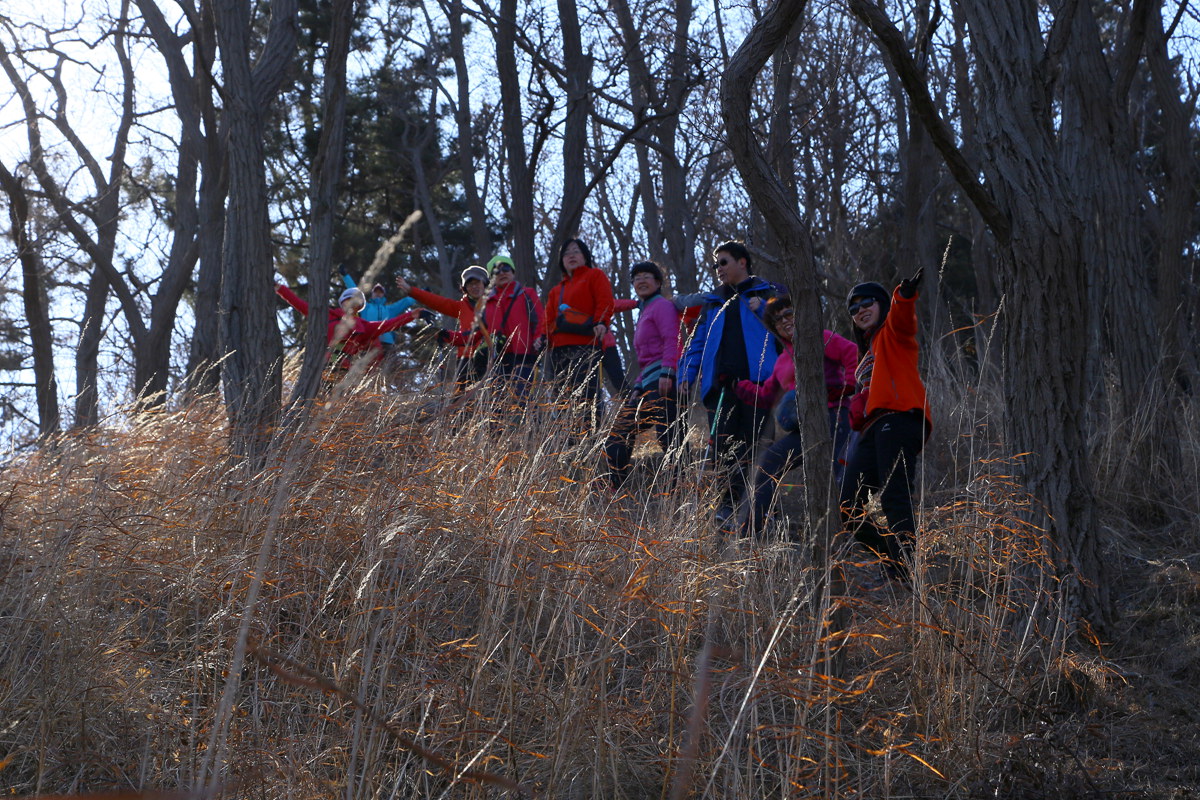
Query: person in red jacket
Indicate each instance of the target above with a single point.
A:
(472, 362)
(515, 324)
(349, 335)
(579, 312)
(891, 414)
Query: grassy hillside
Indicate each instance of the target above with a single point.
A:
(419, 599)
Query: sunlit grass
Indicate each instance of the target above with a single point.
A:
(450, 604)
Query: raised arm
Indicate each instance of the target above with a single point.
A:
(291, 298)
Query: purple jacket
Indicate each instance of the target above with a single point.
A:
(656, 340)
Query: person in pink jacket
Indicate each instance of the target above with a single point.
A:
(841, 358)
(651, 403)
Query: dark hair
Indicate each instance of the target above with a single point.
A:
(583, 248)
(774, 310)
(649, 267)
(870, 289)
(735, 249)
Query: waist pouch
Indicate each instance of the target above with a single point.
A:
(572, 321)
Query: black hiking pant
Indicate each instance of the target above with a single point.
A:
(885, 460)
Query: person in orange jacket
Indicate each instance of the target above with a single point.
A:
(472, 362)
(891, 414)
(348, 334)
(579, 313)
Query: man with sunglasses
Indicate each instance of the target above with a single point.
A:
(730, 344)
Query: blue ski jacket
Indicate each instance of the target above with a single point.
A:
(761, 351)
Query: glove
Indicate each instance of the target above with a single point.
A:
(539, 343)
(727, 382)
(343, 269)
(427, 316)
(908, 286)
(751, 394)
(858, 411)
(445, 337)
(835, 394)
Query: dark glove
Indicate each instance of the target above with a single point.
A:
(752, 394)
(834, 394)
(858, 411)
(445, 337)
(343, 269)
(729, 382)
(908, 286)
(427, 316)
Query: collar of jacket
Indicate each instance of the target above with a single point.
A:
(580, 271)
(751, 284)
(643, 303)
(512, 290)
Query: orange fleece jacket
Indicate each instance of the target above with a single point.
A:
(462, 310)
(895, 382)
(588, 291)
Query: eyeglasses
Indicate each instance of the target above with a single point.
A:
(503, 268)
(722, 262)
(866, 302)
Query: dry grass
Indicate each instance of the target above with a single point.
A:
(429, 599)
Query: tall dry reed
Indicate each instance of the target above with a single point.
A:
(435, 596)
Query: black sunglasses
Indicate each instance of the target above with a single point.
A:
(866, 302)
(722, 262)
(503, 268)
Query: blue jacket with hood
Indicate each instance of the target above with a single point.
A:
(379, 309)
(701, 356)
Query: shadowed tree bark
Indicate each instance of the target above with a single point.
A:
(520, 172)
(326, 179)
(1059, 200)
(773, 200)
(251, 371)
(92, 224)
(33, 296)
(466, 140)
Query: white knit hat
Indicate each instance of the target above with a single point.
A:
(349, 293)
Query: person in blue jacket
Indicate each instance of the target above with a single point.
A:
(731, 343)
(378, 308)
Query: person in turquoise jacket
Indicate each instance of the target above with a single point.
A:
(731, 343)
(378, 308)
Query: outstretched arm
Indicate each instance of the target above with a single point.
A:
(291, 298)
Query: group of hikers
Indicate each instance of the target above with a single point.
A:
(731, 349)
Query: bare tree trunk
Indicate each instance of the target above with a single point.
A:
(466, 139)
(1099, 161)
(1045, 229)
(103, 214)
(641, 90)
(520, 172)
(1179, 196)
(33, 295)
(204, 376)
(326, 178)
(577, 70)
(771, 197)
(152, 360)
(251, 370)
(87, 353)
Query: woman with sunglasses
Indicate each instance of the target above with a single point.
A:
(516, 327)
(891, 415)
(841, 357)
